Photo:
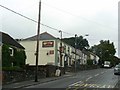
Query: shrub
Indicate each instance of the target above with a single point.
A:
(89, 62)
(15, 68)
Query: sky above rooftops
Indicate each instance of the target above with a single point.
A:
(98, 18)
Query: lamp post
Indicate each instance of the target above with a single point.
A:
(60, 47)
(75, 49)
(37, 47)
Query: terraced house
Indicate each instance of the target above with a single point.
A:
(49, 51)
(12, 52)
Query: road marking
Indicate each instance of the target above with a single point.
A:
(81, 85)
(112, 86)
(85, 85)
(102, 72)
(91, 85)
(103, 86)
(88, 78)
(98, 86)
(96, 75)
(75, 83)
(109, 86)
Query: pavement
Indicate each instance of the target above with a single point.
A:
(23, 84)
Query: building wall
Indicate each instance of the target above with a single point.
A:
(67, 55)
(47, 54)
(97, 59)
(30, 48)
(0, 54)
(63, 53)
(0, 66)
(46, 58)
(44, 53)
(92, 57)
(84, 58)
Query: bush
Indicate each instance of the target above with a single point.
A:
(18, 58)
(15, 68)
(6, 59)
(89, 62)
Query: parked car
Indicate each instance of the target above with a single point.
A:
(107, 64)
(117, 69)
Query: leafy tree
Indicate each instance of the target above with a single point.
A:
(6, 59)
(18, 59)
(81, 42)
(105, 50)
(89, 62)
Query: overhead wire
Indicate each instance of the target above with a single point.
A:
(34, 20)
(61, 10)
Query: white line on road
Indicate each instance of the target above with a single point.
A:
(75, 83)
(102, 72)
(88, 78)
(103, 86)
(91, 85)
(109, 86)
(96, 75)
(85, 85)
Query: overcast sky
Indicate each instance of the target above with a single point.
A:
(98, 18)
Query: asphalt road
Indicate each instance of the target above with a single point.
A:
(97, 78)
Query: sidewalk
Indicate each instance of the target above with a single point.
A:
(32, 82)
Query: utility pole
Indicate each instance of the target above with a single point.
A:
(37, 47)
(60, 47)
(75, 49)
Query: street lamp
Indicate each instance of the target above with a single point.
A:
(86, 35)
(60, 47)
(75, 49)
(37, 47)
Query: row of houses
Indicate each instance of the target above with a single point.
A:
(49, 52)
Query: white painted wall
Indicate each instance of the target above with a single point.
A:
(47, 59)
(58, 47)
(84, 59)
(92, 57)
(30, 49)
(0, 66)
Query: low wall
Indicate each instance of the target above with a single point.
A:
(28, 73)
(81, 67)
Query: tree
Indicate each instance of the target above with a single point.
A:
(6, 59)
(18, 59)
(81, 42)
(105, 50)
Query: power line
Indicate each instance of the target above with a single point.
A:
(34, 20)
(61, 10)
(18, 13)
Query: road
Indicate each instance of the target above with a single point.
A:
(97, 78)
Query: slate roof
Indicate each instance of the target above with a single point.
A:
(6, 39)
(42, 36)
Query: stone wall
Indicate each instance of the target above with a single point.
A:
(81, 67)
(28, 73)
